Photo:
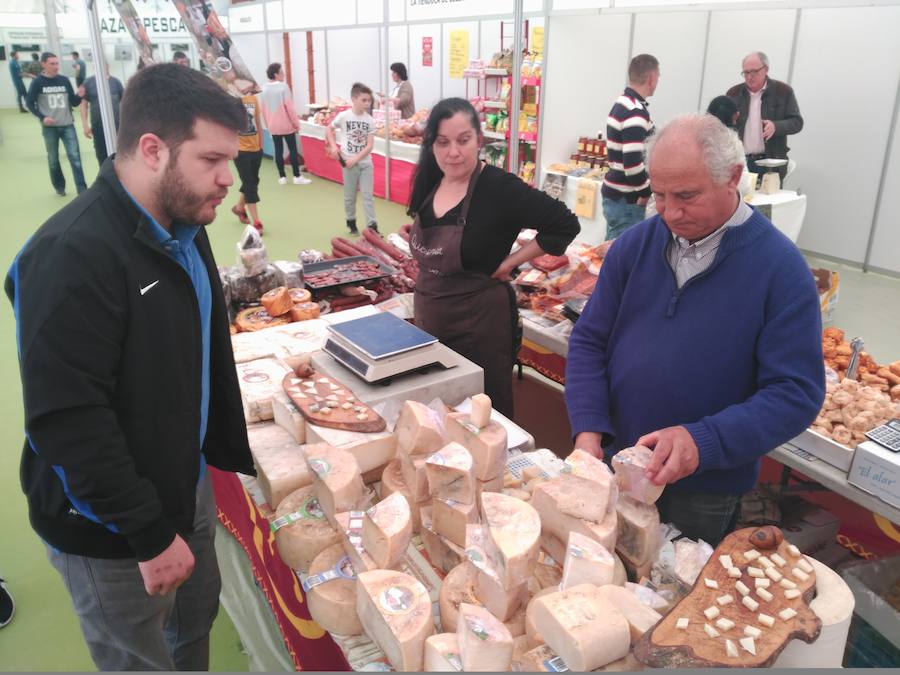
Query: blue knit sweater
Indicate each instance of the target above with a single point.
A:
(735, 355)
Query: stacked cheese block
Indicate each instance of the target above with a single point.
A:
(638, 538)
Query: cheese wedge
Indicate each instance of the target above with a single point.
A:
(545, 499)
(487, 445)
(443, 553)
(638, 530)
(392, 481)
(450, 474)
(485, 644)
(630, 465)
(372, 451)
(302, 530)
(639, 616)
(419, 429)
(442, 654)
(589, 486)
(387, 529)
(415, 477)
(582, 627)
(512, 541)
(280, 463)
(459, 587)
(501, 601)
(481, 410)
(259, 381)
(586, 562)
(395, 613)
(349, 525)
(332, 604)
(338, 484)
(287, 416)
(449, 519)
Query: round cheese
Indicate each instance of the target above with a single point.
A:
(332, 604)
(257, 318)
(304, 311)
(301, 541)
(277, 301)
(299, 295)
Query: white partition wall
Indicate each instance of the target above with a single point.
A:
(426, 80)
(886, 243)
(354, 55)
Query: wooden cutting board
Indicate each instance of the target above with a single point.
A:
(326, 402)
(667, 646)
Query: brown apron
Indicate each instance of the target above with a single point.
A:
(470, 312)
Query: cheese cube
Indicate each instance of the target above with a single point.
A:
(778, 560)
(487, 445)
(730, 649)
(792, 593)
(793, 550)
(586, 561)
(302, 530)
(589, 487)
(481, 410)
(752, 631)
(711, 612)
(349, 525)
(725, 561)
(773, 574)
(804, 565)
(545, 499)
(755, 572)
(751, 555)
(332, 604)
(450, 474)
(741, 588)
(725, 599)
(764, 594)
(766, 620)
(372, 451)
(336, 478)
(395, 612)
(449, 519)
(512, 542)
(503, 603)
(387, 530)
(637, 536)
(288, 416)
(682, 623)
(582, 627)
(750, 603)
(799, 574)
(442, 654)
(711, 583)
(712, 632)
(630, 465)
(748, 644)
(419, 429)
(280, 463)
(764, 561)
(734, 572)
(787, 583)
(787, 614)
(485, 644)
(724, 624)
(762, 583)
(639, 616)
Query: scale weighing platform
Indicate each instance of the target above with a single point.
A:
(382, 346)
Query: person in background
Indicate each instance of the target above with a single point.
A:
(467, 218)
(7, 604)
(357, 138)
(724, 109)
(128, 378)
(768, 113)
(89, 95)
(703, 337)
(626, 186)
(247, 162)
(51, 99)
(32, 68)
(180, 58)
(80, 69)
(15, 73)
(282, 122)
(401, 96)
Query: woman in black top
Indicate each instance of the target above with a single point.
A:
(467, 218)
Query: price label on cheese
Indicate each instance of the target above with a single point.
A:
(556, 665)
(310, 510)
(342, 570)
(320, 467)
(397, 600)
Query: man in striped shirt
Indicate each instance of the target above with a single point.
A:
(626, 187)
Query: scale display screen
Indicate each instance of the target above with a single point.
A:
(382, 335)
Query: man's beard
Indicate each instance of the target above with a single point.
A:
(178, 202)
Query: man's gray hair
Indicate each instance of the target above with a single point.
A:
(720, 147)
(763, 59)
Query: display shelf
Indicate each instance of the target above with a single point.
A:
(496, 135)
(486, 73)
(499, 105)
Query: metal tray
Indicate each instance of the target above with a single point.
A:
(386, 271)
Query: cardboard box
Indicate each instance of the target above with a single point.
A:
(876, 470)
(807, 526)
(825, 448)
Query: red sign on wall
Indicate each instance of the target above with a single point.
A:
(427, 51)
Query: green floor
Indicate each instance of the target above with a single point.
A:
(44, 634)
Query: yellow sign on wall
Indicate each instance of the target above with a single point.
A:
(459, 52)
(537, 40)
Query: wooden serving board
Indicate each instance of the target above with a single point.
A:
(326, 402)
(666, 646)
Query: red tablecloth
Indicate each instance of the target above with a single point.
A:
(319, 164)
(547, 363)
(310, 647)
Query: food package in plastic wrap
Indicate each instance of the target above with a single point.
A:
(289, 272)
(252, 257)
(259, 381)
(248, 290)
(309, 256)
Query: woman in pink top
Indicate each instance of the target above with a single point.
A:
(277, 105)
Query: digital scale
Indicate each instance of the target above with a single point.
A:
(382, 346)
(770, 182)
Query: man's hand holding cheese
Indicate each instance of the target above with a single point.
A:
(702, 339)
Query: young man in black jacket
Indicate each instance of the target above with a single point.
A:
(129, 381)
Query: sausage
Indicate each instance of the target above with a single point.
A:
(378, 241)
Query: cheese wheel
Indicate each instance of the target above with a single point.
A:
(371, 450)
(443, 553)
(487, 445)
(630, 465)
(395, 612)
(582, 627)
(639, 616)
(387, 529)
(442, 654)
(545, 499)
(501, 601)
(308, 535)
(287, 416)
(414, 475)
(304, 311)
(336, 478)
(419, 429)
(586, 562)
(280, 463)
(637, 537)
(450, 475)
(588, 487)
(277, 301)
(485, 644)
(332, 604)
(256, 318)
(392, 481)
(299, 295)
(449, 519)
(512, 541)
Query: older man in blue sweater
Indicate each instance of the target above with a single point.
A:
(702, 339)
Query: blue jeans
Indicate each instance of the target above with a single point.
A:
(52, 137)
(700, 515)
(620, 215)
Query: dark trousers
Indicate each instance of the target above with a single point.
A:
(700, 515)
(291, 141)
(99, 143)
(247, 164)
(21, 94)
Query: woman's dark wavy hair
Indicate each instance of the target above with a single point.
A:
(400, 69)
(723, 108)
(428, 173)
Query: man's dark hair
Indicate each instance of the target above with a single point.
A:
(75, 54)
(178, 55)
(34, 56)
(46, 56)
(359, 89)
(273, 70)
(13, 53)
(167, 99)
(641, 67)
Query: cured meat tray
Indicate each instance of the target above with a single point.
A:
(353, 270)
